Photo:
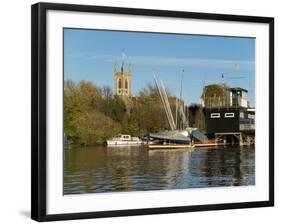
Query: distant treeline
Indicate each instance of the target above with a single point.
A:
(92, 114)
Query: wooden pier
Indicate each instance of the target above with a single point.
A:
(169, 146)
(235, 138)
(182, 146)
(208, 144)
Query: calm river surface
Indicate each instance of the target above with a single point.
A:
(103, 169)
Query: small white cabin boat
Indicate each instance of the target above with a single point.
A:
(124, 140)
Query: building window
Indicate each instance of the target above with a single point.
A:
(119, 84)
(126, 84)
(229, 115)
(215, 115)
(251, 116)
(241, 114)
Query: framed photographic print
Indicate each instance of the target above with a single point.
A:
(139, 111)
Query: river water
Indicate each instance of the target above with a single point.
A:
(104, 169)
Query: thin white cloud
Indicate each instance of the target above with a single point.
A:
(173, 61)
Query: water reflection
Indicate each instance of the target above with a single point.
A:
(102, 169)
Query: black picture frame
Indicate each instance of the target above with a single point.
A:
(38, 109)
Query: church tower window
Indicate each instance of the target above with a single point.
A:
(126, 86)
(119, 86)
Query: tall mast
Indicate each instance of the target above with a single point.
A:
(176, 112)
(181, 84)
(180, 103)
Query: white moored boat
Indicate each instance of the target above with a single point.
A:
(124, 140)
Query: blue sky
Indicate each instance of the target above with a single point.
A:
(91, 54)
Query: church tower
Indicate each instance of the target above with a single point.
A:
(122, 81)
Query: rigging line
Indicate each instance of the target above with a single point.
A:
(168, 104)
(163, 103)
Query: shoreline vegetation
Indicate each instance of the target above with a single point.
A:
(94, 114)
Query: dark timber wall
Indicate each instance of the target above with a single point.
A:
(222, 124)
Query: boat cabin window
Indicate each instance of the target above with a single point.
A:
(215, 115)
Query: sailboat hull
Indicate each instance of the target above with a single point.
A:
(171, 137)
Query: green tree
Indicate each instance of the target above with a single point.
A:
(214, 95)
(89, 96)
(199, 118)
(78, 99)
(130, 124)
(149, 110)
(70, 108)
(92, 114)
(95, 128)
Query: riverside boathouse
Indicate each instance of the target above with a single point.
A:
(229, 119)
